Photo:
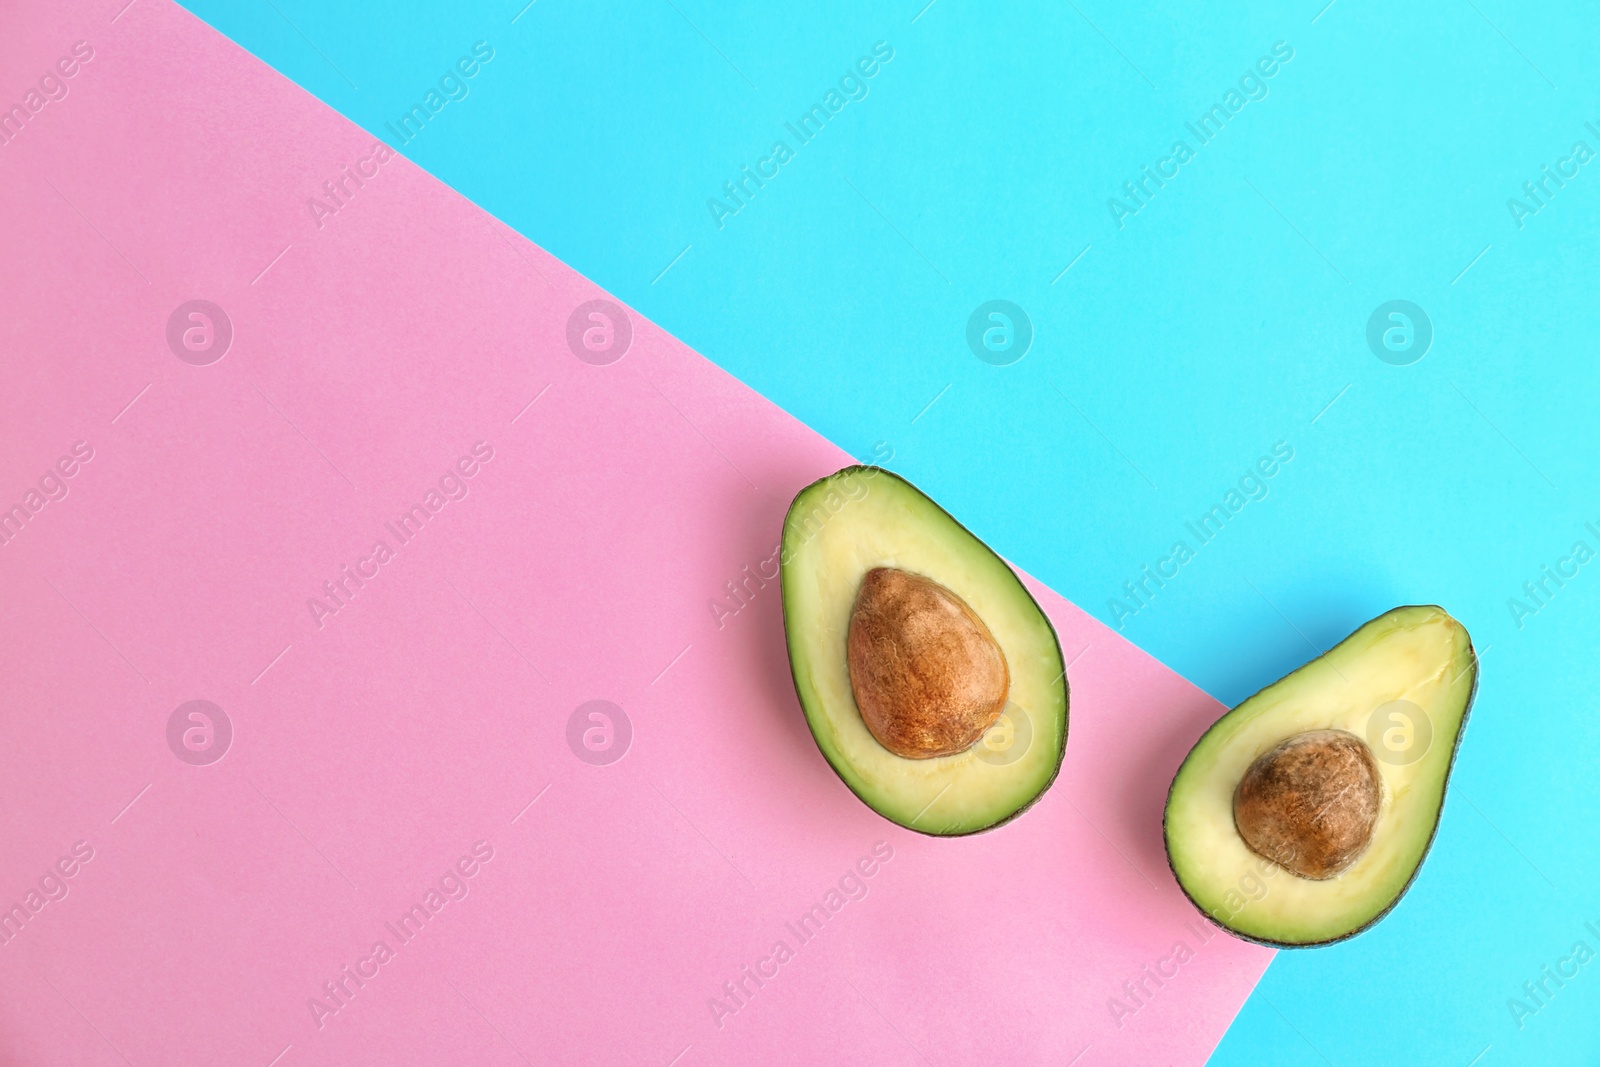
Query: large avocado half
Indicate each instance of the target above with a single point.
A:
(1337, 772)
(856, 523)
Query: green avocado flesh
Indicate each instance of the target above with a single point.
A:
(836, 531)
(1404, 684)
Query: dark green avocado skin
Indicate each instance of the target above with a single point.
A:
(1066, 688)
(1455, 750)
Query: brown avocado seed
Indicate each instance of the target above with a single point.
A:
(928, 676)
(1310, 803)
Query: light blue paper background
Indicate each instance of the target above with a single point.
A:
(1221, 318)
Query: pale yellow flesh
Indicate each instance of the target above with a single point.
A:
(838, 531)
(1419, 654)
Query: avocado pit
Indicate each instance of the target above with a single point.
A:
(927, 675)
(1310, 803)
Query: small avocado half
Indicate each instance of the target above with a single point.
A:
(885, 595)
(1303, 815)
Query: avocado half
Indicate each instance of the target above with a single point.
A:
(837, 530)
(1403, 683)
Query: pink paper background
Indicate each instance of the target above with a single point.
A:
(370, 753)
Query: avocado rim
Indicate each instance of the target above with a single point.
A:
(1444, 794)
(783, 588)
